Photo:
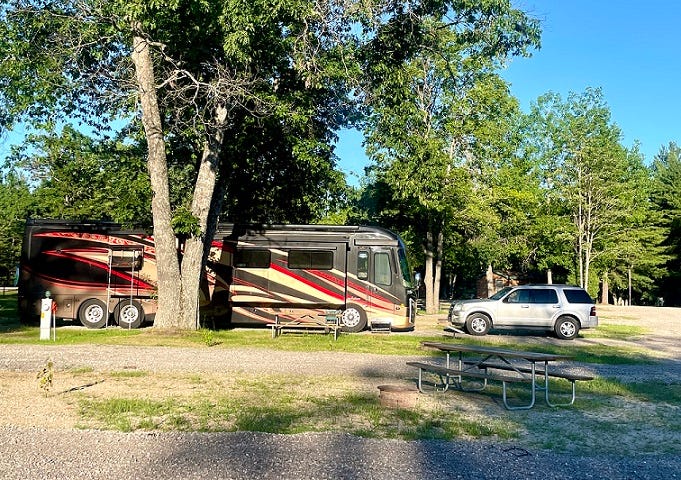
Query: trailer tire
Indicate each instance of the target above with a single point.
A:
(93, 313)
(129, 314)
(354, 319)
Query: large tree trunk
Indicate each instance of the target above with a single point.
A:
(178, 280)
(195, 247)
(167, 263)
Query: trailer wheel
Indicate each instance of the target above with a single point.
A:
(129, 314)
(354, 319)
(93, 313)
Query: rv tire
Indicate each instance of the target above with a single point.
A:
(354, 319)
(93, 313)
(129, 314)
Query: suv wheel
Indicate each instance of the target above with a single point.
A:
(478, 324)
(566, 328)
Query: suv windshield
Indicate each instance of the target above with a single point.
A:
(500, 293)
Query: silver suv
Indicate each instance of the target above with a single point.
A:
(561, 308)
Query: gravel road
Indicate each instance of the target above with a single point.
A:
(30, 452)
(47, 454)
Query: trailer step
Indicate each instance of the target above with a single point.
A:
(380, 327)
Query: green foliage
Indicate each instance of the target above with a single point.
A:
(666, 173)
(602, 187)
(185, 224)
(16, 201)
(436, 122)
(76, 176)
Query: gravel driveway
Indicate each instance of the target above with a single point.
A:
(33, 454)
(28, 452)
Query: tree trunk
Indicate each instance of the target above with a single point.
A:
(428, 277)
(167, 264)
(178, 281)
(629, 285)
(438, 272)
(195, 247)
(489, 279)
(605, 290)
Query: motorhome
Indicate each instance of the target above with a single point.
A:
(101, 274)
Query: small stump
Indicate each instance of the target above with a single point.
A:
(397, 396)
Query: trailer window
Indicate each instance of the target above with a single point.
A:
(127, 259)
(382, 272)
(363, 265)
(310, 259)
(252, 258)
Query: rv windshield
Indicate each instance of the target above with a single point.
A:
(404, 267)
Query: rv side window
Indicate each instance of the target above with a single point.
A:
(127, 259)
(252, 258)
(382, 273)
(363, 265)
(310, 259)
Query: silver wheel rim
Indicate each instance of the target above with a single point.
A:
(94, 313)
(567, 329)
(351, 317)
(478, 324)
(129, 314)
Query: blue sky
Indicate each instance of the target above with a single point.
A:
(630, 49)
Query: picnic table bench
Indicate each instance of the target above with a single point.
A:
(323, 323)
(502, 365)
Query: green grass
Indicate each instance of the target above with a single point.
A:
(643, 417)
(618, 332)
(285, 405)
(612, 418)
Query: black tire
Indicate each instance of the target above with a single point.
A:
(354, 319)
(129, 314)
(478, 324)
(566, 328)
(93, 313)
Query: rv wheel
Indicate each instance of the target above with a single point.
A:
(93, 313)
(354, 319)
(129, 314)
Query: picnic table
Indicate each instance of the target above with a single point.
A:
(324, 323)
(483, 363)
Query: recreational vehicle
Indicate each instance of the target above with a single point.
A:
(102, 274)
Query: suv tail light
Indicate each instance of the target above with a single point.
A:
(593, 311)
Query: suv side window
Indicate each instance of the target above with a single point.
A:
(518, 296)
(577, 296)
(544, 295)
